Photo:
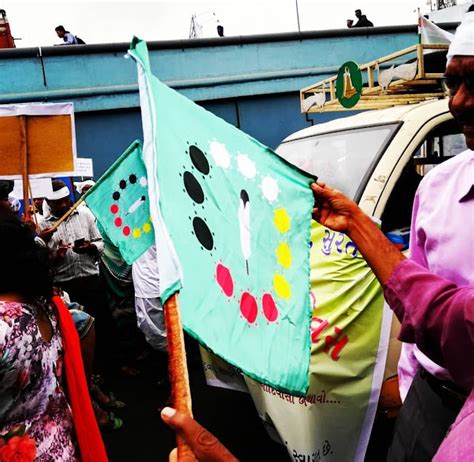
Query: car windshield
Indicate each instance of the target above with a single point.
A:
(340, 159)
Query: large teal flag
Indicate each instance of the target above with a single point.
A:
(119, 201)
(232, 224)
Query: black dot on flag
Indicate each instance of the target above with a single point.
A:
(193, 188)
(199, 159)
(132, 178)
(116, 196)
(123, 184)
(203, 233)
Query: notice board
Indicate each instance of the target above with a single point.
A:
(46, 132)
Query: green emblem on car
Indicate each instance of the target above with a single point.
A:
(349, 84)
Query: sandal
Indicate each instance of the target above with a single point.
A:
(106, 420)
(112, 422)
(107, 401)
(114, 403)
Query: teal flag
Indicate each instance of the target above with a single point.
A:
(119, 201)
(232, 224)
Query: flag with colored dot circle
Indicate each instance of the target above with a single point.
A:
(119, 201)
(232, 224)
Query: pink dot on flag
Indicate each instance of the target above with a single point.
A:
(126, 231)
(248, 307)
(118, 222)
(270, 309)
(114, 208)
(224, 279)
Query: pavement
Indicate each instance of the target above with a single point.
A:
(230, 415)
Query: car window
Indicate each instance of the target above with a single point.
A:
(343, 159)
(441, 143)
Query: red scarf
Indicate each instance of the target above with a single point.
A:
(88, 435)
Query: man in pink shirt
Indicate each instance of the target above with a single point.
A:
(434, 313)
(441, 240)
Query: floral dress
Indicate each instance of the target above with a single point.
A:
(31, 391)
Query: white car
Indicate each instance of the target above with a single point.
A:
(378, 158)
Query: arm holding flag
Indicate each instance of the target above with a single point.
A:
(434, 312)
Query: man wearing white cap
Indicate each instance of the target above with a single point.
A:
(76, 243)
(75, 246)
(442, 240)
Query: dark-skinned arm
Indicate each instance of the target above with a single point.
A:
(206, 447)
(435, 313)
(336, 211)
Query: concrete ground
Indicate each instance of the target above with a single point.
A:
(230, 415)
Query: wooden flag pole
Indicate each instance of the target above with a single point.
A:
(32, 216)
(74, 207)
(178, 370)
(24, 164)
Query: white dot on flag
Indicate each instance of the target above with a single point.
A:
(246, 166)
(143, 181)
(220, 154)
(270, 188)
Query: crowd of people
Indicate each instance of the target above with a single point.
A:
(66, 293)
(49, 273)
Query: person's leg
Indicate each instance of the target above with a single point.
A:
(151, 321)
(90, 293)
(423, 422)
(88, 350)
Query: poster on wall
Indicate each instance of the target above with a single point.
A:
(84, 167)
(38, 140)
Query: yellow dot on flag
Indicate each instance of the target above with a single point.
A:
(282, 220)
(146, 228)
(284, 255)
(137, 233)
(282, 288)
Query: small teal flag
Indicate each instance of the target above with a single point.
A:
(119, 201)
(232, 224)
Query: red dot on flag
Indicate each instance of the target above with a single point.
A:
(126, 231)
(118, 222)
(270, 309)
(224, 279)
(114, 208)
(248, 307)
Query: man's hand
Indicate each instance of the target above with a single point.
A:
(333, 209)
(339, 213)
(46, 234)
(87, 247)
(61, 251)
(204, 444)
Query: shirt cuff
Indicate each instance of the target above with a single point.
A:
(394, 286)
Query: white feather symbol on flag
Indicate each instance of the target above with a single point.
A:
(244, 224)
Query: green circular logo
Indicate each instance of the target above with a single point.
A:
(349, 84)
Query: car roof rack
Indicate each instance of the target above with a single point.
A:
(408, 76)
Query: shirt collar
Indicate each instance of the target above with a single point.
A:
(466, 183)
(51, 217)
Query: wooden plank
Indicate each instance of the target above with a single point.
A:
(397, 89)
(24, 161)
(421, 62)
(370, 76)
(49, 140)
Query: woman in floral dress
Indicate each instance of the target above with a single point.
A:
(35, 418)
